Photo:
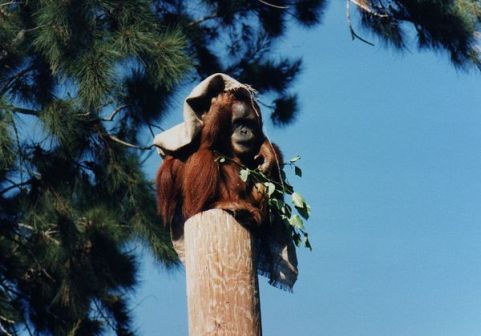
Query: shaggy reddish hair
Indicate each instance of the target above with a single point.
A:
(194, 179)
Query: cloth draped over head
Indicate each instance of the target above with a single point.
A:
(274, 252)
(196, 103)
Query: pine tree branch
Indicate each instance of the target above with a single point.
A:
(3, 318)
(354, 35)
(367, 9)
(203, 19)
(10, 3)
(114, 113)
(15, 185)
(13, 79)
(25, 111)
(20, 110)
(101, 312)
(273, 5)
(149, 154)
(2, 328)
(124, 143)
(156, 126)
(20, 153)
(265, 104)
(28, 328)
(31, 255)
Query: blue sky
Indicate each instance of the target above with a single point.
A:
(391, 155)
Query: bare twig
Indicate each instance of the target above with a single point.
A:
(4, 319)
(9, 3)
(101, 312)
(156, 126)
(15, 185)
(149, 154)
(122, 142)
(368, 9)
(3, 330)
(13, 79)
(151, 130)
(114, 113)
(273, 5)
(21, 110)
(28, 329)
(31, 255)
(354, 35)
(265, 104)
(203, 19)
(26, 226)
(17, 139)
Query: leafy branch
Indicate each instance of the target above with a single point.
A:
(293, 212)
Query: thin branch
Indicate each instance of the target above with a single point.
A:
(28, 328)
(100, 311)
(122, 142)
(13, 79)
(157, 126)
(8, 3)
(15, 185)
(26, 226)
(4, 319)
(265, 104)
(354, 35)
(20, 110)
(149, 154)
(273, 5)
(3, 330)
(151, 130)
(32, 29)
(368, 9)
(10, 291)
(203, 19)
(114, 113)
(31, 255)
(17, 139)
(261, 177)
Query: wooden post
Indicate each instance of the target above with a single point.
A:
(222, 287)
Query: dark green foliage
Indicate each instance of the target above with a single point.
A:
(283, 107)
(73, 200)
(450, 25)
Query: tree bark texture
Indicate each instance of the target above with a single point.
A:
(222, 287)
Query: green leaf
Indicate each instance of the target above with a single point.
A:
(305, 211)
(307, 243)
(298, 200)
(244, 174)
(288, 189)
(295, 158)
(275, 203)
(286, 209)
(270, 188)
(297, 239)
(298, 171)
(296, 221)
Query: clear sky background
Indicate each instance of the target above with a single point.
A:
(391, 155)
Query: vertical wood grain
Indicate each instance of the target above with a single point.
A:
(222, 288)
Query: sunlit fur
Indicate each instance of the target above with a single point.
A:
(194, 180)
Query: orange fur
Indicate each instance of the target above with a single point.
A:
(189, 184)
